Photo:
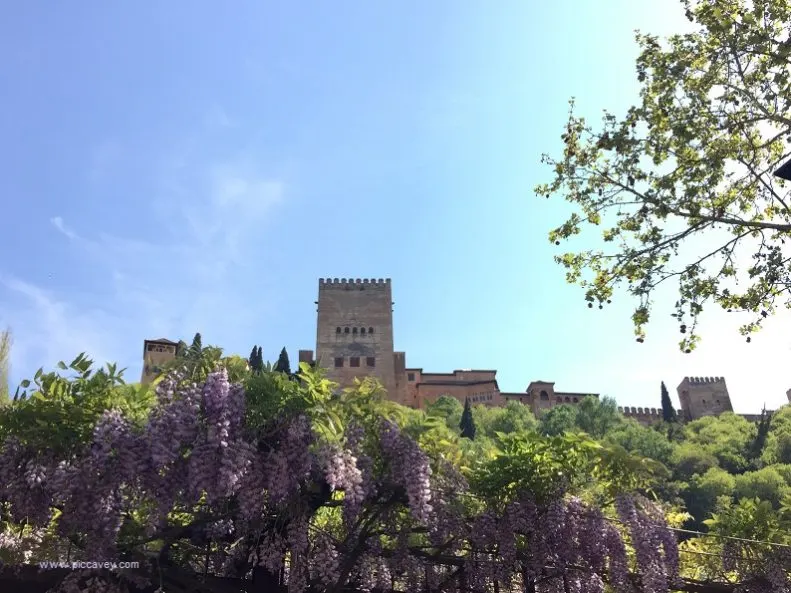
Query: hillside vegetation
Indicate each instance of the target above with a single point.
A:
(224, 469)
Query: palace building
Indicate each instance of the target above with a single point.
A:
(355, 338)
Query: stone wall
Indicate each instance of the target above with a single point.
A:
(645, 416)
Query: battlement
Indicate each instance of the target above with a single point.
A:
(348, 283)
(631, 411)
(704, 380)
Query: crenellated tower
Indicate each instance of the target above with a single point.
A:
(354, 336)
(703, 396)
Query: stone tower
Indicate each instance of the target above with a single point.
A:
(703, 396)
(354, 336)
(155, 354)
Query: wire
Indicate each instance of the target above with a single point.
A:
(721, 536)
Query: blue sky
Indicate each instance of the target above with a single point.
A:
(169, 168)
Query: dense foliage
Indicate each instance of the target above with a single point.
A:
(681, 188)
(287, 481)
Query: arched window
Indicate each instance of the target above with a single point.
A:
(370, 330)
(354, 331)
(544, 396)
(576, 400)
(362, 330)
(568, 399)
(346, 330)
(337, 330)
(559, 399)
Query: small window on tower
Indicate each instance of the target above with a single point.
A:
(370, 361)
(354, 361)
(338, 361)
(354, 331)
(337, 330)
(370, 330)
(346, 330)
(544, 396)
(410, 376)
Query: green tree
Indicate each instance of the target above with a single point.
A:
(467, 424)
(691, 164)
(765, 484)
(514, 417)
(558, 420)
(758, 443)
(727, 437)
(597, 416)
(256, 360)
(705, 490)
(689, 459)
(181, 349)
(668, 411)
(282, 365)
(643, 441)
(5, 365)
(195, 349)
(444, 407)
(778, 440)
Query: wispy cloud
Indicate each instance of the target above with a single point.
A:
(177, 276)
(57, 222)
(46, 328)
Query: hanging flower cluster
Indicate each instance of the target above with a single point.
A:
(255, 499)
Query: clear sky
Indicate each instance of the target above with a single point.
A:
(173, 167)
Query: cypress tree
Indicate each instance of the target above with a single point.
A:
(668, 412)
(196, 348)
(259, 359)
(283, 366)
(757, 446)
(253, 360)
(467, 424)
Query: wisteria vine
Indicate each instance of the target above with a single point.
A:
(266, 499)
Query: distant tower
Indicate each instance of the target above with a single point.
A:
(155, 354)
(703, 396)
(354, 335)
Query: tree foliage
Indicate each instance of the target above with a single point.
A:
(294, 483)
(668, 411)
(682, 186)
(283, 365)
(467, 424)
(727, 437)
